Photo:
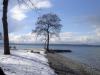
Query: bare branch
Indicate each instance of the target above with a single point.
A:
(26, 3)
(34, 5)
(47, 26)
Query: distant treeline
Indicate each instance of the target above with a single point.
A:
(55, 44)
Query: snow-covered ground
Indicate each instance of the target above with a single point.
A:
(23, 62)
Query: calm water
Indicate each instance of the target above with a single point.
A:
(85, 54)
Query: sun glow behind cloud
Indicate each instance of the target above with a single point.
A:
(20, 12)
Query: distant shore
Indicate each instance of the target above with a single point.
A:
(66, 66)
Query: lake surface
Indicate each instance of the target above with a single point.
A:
(86, 55)
(89, 55)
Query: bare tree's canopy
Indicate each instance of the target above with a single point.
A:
(48, 23)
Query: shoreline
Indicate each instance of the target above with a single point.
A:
(66, 66)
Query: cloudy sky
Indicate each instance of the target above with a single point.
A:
(80, 20)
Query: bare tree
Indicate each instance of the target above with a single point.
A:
(48, 25)
(5, 27)
(5, 24)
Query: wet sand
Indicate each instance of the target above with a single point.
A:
(66, 66)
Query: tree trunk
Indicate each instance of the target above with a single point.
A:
(1, 71)
(5, 27)
(48, 41)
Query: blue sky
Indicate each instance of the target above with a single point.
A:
(80, 20)
(73, 13)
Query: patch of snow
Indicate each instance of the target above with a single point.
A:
(23, 62)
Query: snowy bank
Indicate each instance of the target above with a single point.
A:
(23, 62)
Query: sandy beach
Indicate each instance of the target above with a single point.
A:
(66, 66)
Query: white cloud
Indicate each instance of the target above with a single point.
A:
(19, 12)
(31, 38)
(44, 4)
(25, 38)
(65, 38)
(96, 30)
